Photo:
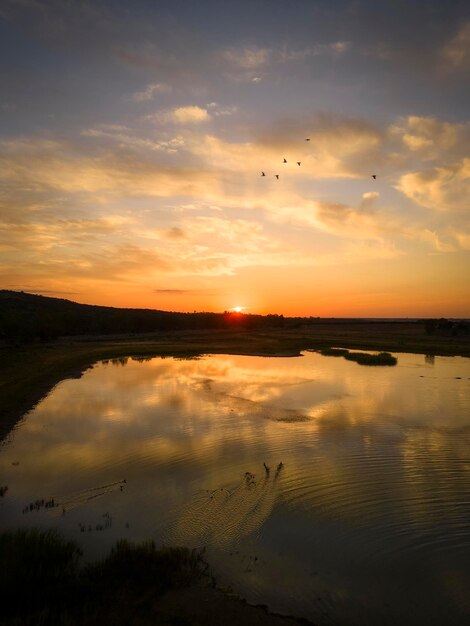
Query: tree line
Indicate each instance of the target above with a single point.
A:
(28, 317)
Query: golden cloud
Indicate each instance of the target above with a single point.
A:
(190, 115)
(443, 188)
(433, 139)
(68, 210)
(46, 165)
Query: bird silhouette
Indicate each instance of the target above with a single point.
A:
(374, 176)
(263, 174)
(285, 161)
(308, 139)
(298, 163)
(277, 176)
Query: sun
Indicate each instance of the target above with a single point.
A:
(238, 309)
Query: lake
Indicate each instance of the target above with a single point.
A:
(363, 516)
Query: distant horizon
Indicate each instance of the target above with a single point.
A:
(276, 313)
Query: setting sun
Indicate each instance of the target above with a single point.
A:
(238, 309)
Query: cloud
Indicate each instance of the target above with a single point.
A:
(430, 138)
(187, 292)
(443, 188)
(174, 233)
(191, 114)
(344, 219)
(463, 239)
(42, 292)
(118, 164)
(338, 147)
(144, 56)
(223, 111)
(150, 91)
(125, 137)
(437, 177)
(41, 165)
(220, 111)
(455, 55)
(246, 59)
(368, 200)
(435, 241)
(368, 222)
(158, 60)
(333, 49)
(50, 257)
(119, 205)
(251, 63)
(115, 247)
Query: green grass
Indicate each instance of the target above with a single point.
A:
(42, 582)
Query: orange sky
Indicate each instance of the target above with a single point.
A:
(130, 167)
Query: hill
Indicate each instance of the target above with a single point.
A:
(27, 317)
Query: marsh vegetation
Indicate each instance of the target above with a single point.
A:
(363, 358)
(44, 582)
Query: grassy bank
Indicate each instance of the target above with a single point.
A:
(28, 372)
(43, 583)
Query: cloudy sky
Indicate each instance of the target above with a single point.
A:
(133, 136)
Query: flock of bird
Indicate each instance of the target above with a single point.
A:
(299, 163)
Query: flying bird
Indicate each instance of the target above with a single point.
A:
(285, 161)
(308, 139)
(298, 163)
(277, 176)
(374, 176)
(263, 174)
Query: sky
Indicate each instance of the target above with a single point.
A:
(133, 137)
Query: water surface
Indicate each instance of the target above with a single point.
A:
(366, 522)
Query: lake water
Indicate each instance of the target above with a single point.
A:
(366, 522)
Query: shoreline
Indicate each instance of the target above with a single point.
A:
(29, 372)
(136, 582)
(210, 605)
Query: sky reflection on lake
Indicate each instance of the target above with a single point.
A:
(366, 522)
